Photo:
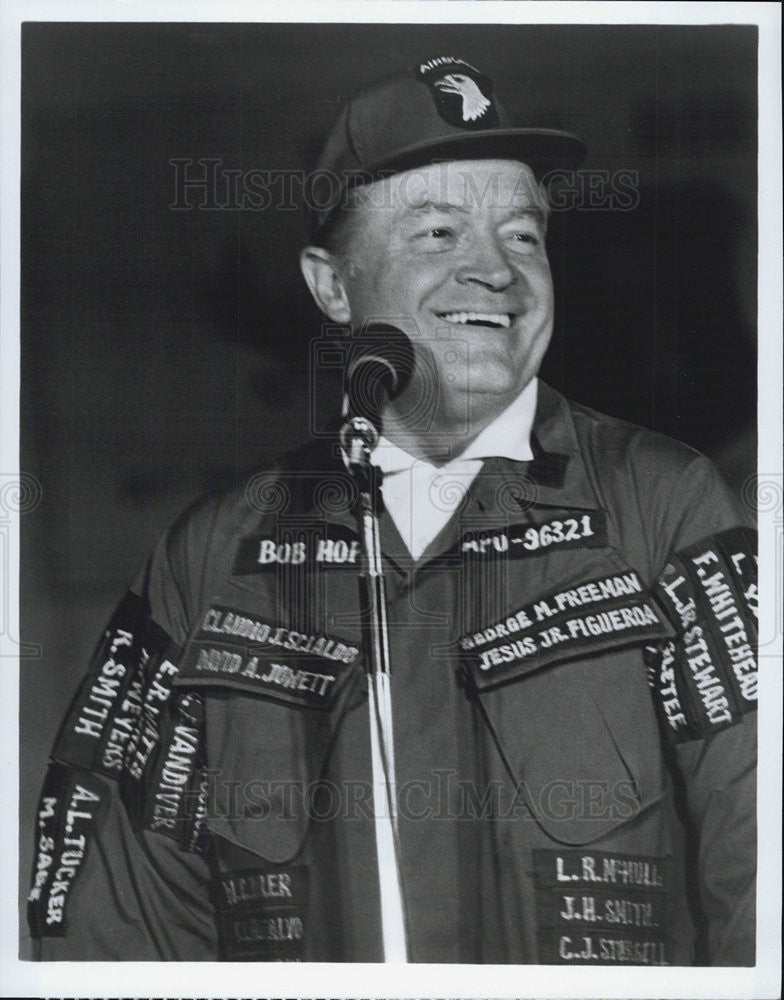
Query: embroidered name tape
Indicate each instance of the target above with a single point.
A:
(237, 649)
(228, 625)
(599, 908)
(608, 948)
(727, 618)
(171, 796)
(333, 546)
(597, 614)
(112, 723)
(301, 680)
(67, 811)
(665, 678)
(521, 541)
(739, 546)
(262, 913)
(707, 679)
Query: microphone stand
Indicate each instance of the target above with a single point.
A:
(358, 438)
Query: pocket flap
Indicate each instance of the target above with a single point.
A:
(274, 698)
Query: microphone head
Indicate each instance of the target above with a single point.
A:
(380, 365)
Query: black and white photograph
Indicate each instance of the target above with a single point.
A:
(397, 532)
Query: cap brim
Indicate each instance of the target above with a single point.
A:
(542, 149)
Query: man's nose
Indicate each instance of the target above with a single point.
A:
(486, 264)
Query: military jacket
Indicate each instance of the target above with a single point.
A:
(573, 689)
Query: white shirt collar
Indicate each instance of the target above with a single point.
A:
(506, 436)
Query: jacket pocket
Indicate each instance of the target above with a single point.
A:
(563, 686)
(274, 698)
(583, 744)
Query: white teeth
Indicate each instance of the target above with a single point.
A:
(497, 319)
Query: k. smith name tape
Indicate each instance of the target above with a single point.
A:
(111, 725)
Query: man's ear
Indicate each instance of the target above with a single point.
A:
(325, 283)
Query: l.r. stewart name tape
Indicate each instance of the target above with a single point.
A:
(709, 591)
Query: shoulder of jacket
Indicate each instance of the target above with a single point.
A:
(603, 434)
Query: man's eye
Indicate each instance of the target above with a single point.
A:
(524, 241)
(435, 238)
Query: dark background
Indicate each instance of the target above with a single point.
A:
(164, 352)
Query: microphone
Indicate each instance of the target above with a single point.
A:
(379, 366)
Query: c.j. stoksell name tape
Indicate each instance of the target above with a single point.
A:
(598, 908)
(615, 610)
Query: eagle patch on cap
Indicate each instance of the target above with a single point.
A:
(462, 95)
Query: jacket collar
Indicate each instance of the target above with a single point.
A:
(556, 477)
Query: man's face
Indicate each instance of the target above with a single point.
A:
(454, 255)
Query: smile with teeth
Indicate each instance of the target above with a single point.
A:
(478, 318)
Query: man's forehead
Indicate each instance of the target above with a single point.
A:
(456, 186)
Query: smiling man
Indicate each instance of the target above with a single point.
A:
(571, 607)
(455, 252)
